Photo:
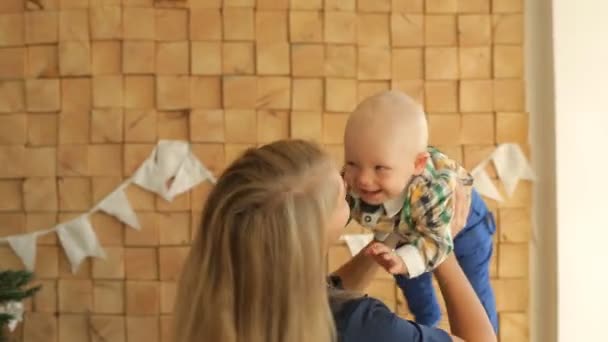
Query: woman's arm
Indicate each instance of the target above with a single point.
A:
(468, 319)
(357, 273)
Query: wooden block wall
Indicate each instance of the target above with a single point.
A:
(87, 87)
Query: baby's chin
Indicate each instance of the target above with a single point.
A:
(373, 197)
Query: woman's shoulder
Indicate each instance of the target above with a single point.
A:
(367, 319)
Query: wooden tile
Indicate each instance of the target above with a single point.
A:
(340, 27)
(171, 24)
(272, 59)
(441, 96)
(75, 296)
(74, 128)
(12, 96)
(444, 129)
(14, 159)
(76, 95)
(46, 299)
(508, 28)
(43, 95)
(174, 228)
(113, 267)
(41, 129)
(172, 92)
(473, 6)
(441, 63)
(271, 26)
(13, 63)
(272, 4)
(307, 60)
(74, 58)
(514, 327)
(334, 125)
(108, 91)
(414, 88)
(41, 27)
(108, 229)
(476, 96)
(173, 125)
(142, 25)
(47, 266)
(207, 126)
(373, 29)
(143, 297)
(108, 328)
(204, 3)
(307, 94)
(307, 126)
(239, 92)
(180, 203)
(511, 295)
(306, 4)
(340, 95)
(42, 61)
(213, 156)
(141, 263)
(339, 5)
(238, 24)
(138, 57)
(407, 64)
(440, 30)
(148, 235)
(134, 156)
(441, 6)
(167, 296)
(305, 27)
(109, 297)
(238, 125)
(474, 30)
(40, 162)
(12, 198)
(106, 57)
(74, 25)
(475, 62)
(408, 6)
(205, 92)
(367, 88)
(234, 151)
(272, 125)
(106, 22)
(74, 193)
(198, 197)
(273, 93)
(13, 129)
(40, 194)
(374, 63)
(12, 6)
(141, 199)
(478, 128)
(231, 58)
(340, 61)
(140, 125)
(475, 154)
(509, 95)
(142, 329)
(171, 261)
(72, 160)
(9, 258)
(139, 92)
(11, 26)
(512, 127)
(105, 160)
(515, 225)
(507, 6)
(38, 326)
(107, 125)
(508, 61)
(211, 30)
(513, 260)
(374, 6)
(172, 58)
(65, 268)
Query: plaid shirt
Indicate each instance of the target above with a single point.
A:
(424, 222)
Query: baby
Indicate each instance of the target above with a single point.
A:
(404, 191)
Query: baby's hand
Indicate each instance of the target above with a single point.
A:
(387, 258)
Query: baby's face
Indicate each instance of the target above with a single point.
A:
(376, 170)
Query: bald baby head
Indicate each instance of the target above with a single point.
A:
(390, 115)
(385, 144)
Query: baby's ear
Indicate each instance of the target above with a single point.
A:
(420, 163)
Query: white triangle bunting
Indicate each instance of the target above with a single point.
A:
(511, 165)
(117, 204)
(79, 241)
(483, 183)
(25, 247)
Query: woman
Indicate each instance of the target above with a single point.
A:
(257, 268)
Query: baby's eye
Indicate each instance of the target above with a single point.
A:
(382, 168)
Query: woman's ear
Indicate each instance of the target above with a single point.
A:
(420, 163)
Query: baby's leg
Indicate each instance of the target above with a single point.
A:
(421, 298)
(473, 249)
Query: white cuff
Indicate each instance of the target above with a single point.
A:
(413, 260)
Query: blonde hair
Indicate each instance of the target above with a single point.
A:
(256, 269)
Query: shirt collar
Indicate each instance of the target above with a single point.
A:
(394, 205)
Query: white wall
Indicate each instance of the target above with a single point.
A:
(580, 61)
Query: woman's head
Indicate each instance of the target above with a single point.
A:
(256, 270)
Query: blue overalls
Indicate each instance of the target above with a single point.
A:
(473, 250)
